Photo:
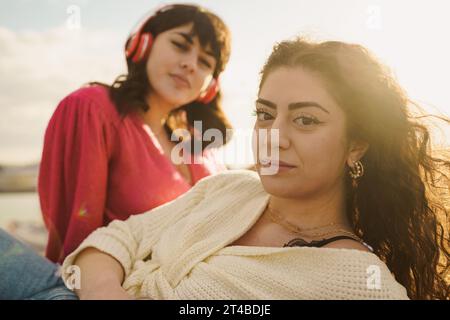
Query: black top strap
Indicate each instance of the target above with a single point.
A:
(315, 243)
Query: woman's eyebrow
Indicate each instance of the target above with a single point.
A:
(304, 104)
(267, 103)
(292, 106)
(188, 37)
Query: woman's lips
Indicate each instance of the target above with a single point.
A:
(282, 166)
(285, 164)
(180, 81)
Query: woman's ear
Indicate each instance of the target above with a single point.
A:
(357, 150)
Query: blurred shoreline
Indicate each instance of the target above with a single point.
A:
(19, 178)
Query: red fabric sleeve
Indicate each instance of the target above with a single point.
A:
(73, 174)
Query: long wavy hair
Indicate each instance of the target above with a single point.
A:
(129, 91)
(401, 204)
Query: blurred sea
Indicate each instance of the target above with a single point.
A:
(20, 206)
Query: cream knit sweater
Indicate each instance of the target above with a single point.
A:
(181, 251)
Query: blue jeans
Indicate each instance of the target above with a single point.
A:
(26, 275)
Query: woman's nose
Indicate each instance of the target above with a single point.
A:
(282, 135)
(189, 62)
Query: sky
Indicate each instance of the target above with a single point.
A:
(49, 48)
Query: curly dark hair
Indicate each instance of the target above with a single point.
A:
(129, 91)
(401, 204)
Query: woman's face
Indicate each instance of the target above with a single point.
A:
(312, 142)
(178, 67)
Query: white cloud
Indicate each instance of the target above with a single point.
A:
(38, 69)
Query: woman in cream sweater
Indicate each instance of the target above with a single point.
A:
(337, 211)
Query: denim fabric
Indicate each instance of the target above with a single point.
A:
(26, 275)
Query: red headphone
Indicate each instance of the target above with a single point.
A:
(138, 48)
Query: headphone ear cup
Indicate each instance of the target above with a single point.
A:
(210, 92)
(143, 49)
(132, 45)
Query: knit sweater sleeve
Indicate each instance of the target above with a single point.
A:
(132, 240)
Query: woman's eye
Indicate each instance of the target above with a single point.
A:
(180, 45)
(306, 121)
(205, 63)
(262, 116)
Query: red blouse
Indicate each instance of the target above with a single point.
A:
(97, 167)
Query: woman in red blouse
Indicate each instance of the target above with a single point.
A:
(107, 149)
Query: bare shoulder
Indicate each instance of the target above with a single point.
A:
(347, 244)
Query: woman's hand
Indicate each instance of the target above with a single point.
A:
(101, 276)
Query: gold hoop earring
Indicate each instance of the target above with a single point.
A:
(357, 170)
